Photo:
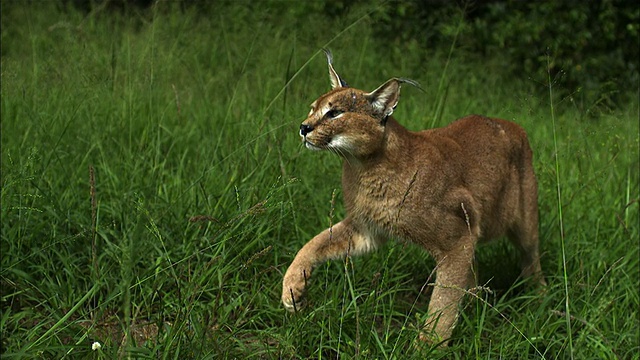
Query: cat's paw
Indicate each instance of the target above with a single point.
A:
(293, 289)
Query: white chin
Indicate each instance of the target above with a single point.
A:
(310, 146)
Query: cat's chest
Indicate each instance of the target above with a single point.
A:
(385, 200)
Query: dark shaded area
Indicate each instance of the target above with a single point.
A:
(591, 48)
(112, 5)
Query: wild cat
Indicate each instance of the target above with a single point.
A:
(443, 189)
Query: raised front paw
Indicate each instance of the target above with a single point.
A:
(293, 288)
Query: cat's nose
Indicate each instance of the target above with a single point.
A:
(305, 129)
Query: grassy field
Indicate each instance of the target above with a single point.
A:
(154, 190)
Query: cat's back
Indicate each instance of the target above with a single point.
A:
(475, 139)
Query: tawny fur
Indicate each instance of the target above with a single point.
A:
(444, 189)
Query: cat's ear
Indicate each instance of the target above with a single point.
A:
(385, 98)
(336, 80)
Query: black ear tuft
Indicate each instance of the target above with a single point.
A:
(336, 80)
(411, 82)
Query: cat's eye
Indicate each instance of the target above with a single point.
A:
(333, 113)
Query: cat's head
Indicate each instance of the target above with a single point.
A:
(349, 121)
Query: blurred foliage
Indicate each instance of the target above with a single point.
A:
(589, 50)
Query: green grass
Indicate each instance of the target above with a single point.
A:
(201, 195)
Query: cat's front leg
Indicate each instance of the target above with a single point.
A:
(338, 241)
